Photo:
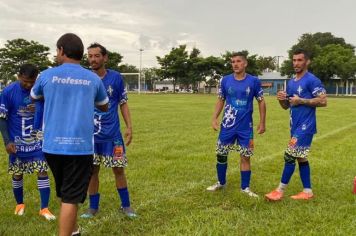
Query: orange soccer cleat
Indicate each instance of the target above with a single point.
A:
(303, 196)
(275, 195)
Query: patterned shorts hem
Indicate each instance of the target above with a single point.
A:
(19, 168)
(299, 152)
(108, 161)
(225, 149)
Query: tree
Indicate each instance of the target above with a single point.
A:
(18, 52)
(252, 67)
(266, 63)
(335, 60)
(174, 65)
(314, 44)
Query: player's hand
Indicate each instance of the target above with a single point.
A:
(11, 148)
(128, 136)
(295, 100)
(261, 128)
(215, 124)
(281, 95)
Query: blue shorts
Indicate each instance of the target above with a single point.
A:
(104, 153)
(299, 145)
(241, 141)
(27, 165)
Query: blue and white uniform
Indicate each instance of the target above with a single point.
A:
(237, 126)
(61, 86)
(16, 107)
(302, 117)
(108, 137)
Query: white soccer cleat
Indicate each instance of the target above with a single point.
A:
(249, 192)
(20, 209)
(215, 187)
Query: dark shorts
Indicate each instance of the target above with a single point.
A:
(72, 175)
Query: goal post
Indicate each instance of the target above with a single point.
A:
(133, 82)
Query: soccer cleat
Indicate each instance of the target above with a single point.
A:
(215, 187)
(77, 232)
(275, 195)
(129, 212)
(47, 214)
(249, 192)
(20, 209)
(303, 196)
(89, 214)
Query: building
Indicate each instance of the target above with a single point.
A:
(272, 82)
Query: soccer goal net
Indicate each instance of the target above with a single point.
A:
(134, 82)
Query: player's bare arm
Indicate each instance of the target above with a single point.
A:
(282, 98)
(127, 118)
(218, 108)
(319, 101)
(261, 127)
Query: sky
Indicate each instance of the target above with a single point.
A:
(266, 28)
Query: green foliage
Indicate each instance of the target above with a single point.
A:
(174, 65)
(335, 60)
(266, 63)
(172, 160)
(20, 51)
(315, 44)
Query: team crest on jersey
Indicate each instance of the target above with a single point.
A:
(230, 91)
(110, 90)
(300, 90)
(229, 117)
(248, 90)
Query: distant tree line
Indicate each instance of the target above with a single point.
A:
(331, 57)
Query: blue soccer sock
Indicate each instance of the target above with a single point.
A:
(304, 171)
(221, 172)
(124, 196)
(94, 201)
(17, 187)
(44, 189)
(287, 172)
(245, 178)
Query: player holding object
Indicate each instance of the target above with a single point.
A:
(25, 154)
(109, 147)
(304, 93)
(70, 93)
(237, 92)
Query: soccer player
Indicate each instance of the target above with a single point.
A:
(236, 95)
(25, 154)
(304, 93)
(109, 147)
(70, 93)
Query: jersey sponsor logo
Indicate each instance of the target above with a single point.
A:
(70, 80)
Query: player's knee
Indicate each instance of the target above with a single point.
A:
(221, 159)
(289, 159)
(17, 177)
(42, 174)
(118, 171)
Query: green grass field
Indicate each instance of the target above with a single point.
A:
(172, 161)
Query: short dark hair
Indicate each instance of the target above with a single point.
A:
(98, 45)
(302, 51)
(72, 46)
(28, 70)
(239, 54)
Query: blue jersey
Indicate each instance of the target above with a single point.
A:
(107, 124)
(17, 109)
(70, 92)
(302, 117)
(238, 96)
